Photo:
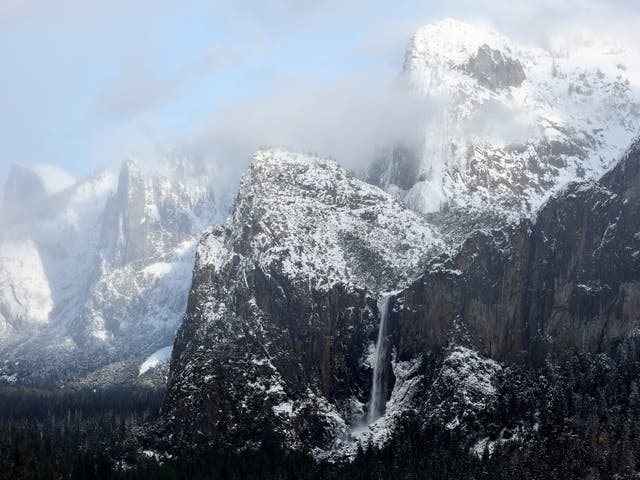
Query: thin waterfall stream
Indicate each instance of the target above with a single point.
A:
(379, 384)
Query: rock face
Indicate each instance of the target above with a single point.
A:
(567, 282)
(103, 274)
(509, 125)
(493, 70)
(283, 312)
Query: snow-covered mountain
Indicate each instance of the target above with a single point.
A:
(99, 270)
(510, 123)
(282, 311)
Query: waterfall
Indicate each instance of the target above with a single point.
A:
(379, 385)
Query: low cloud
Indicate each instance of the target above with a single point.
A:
(137, 89)
(348, 119)
(116, 86)
(493, 121)
(139, 86)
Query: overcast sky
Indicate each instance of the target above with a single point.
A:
(85, 84)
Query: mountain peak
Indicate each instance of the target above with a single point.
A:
(129, 170)
(277, 157)
(453, 41)
(309, 215)
(515, 123)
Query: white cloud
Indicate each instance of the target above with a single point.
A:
(54, 179)
(350, 119)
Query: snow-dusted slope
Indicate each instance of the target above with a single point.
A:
(513, 123)
(102, 266)
(320, 224)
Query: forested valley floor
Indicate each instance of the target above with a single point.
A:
(586, 412)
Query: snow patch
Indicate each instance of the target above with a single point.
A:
(471, 374)
(152, 361)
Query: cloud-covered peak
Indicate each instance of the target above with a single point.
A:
(454, 41)
(54, 179)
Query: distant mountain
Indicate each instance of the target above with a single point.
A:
(509, 125)
(97, 272)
